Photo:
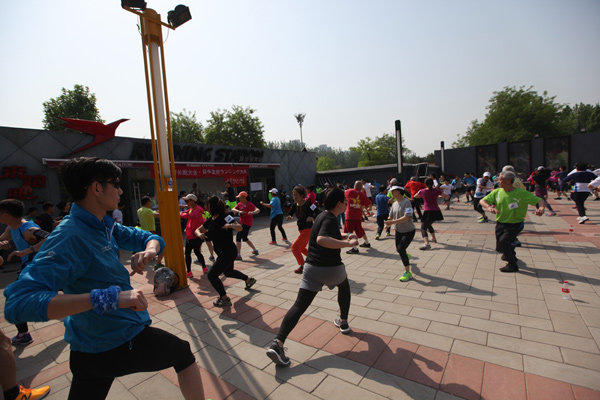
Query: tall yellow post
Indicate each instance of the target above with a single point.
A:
(162, 145)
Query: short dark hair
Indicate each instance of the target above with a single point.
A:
(429, 183)
(47, 205)
(216, 206)
(13, 207)
(79, 173)
(334, 196)
(145, 199)
(300, 190)
(581, 166)
(311, 187)
(382, 188)
(32, 209)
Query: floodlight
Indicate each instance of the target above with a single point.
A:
(179, 16)
(141, 4)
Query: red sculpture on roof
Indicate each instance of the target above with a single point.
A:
(101, 132)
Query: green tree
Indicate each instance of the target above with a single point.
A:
(581, 118)
(185, 127)
(381, 150)
(517, 114)
(325, 163)
(238, 127)
(77, 103)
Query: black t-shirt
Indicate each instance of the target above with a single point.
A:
(222, 239)
(325, 225)
(230, 194)
(304, 212)
(45, 221)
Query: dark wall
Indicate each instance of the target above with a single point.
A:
(585, 147)
(457, 161)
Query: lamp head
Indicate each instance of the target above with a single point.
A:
(179, 16)
(139, 4)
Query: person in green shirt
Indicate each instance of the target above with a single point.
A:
(146, 217)
(510, 206)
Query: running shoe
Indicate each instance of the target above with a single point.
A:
(516, 243)
(272, 242)
(558, 198)
(238, 257)
(344, 327)
(407, 276)
(367, 245)
(551, 214)
(211, 258)
(32, 394)
(486, 219)
(583, 219)
(388, 234)
(277, 354)
(222, 303)
(250, 284)
(510, 268)
(22, 340)
(433, 240)
(425, 247)
(408, 255)
(255, 252)
(299, 270)
(205, 270)
(285, 240)
(197, 262)
(352, 251)
(189, 274)
(376, 237)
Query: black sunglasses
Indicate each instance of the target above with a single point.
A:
(116, 183)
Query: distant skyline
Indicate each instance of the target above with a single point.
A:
(353, 67)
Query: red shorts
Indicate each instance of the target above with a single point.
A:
(354, 226)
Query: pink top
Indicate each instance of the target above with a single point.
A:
(430, 198)
(245, 218)
(311, 197)
(194, 220)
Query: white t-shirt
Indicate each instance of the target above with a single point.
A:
(488, 187)
(447, 188)
(367, 186)
(117, 216)
(596, 182)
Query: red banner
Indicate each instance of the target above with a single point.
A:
(214, 171)
(237, 181)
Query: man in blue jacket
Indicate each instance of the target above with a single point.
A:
(106, 321)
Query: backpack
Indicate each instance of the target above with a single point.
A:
(165, 281)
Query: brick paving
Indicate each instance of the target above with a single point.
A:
(460, 329)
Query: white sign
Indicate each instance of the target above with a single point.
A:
(255, 186)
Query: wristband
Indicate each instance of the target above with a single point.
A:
(104, 300)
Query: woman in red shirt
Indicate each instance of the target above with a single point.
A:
(246, 210)
(194, 218)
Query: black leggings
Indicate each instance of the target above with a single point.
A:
(381, 223)
(193, 244)
(224, 265)
(304, 299)
(277, 221)
(579, 198)
(151, 350)
(403, 240)
(416, 203)
(426, 226)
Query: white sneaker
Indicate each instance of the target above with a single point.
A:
(583, 219)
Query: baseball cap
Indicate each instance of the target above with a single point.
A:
(242, 194)
(397, 188)
(597, 171)
(393, 181)
(540, 168)
(274, 191)
(190, 197)
(487, 174)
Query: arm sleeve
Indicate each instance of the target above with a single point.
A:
(491, 197)
(133, 239)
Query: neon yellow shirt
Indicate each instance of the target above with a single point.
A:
(511, 206)
(146, 217)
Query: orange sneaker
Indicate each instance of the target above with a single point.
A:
(32, 394)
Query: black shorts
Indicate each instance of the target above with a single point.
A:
(243, 234)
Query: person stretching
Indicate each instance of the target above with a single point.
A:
(306, 213)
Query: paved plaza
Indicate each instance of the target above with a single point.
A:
(460, 329)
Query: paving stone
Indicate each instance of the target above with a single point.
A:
(489, 305)
(405, 321)
(394, 387)
(522, 346)
(333, 387)
(568, 323)
(435, 315)
(488, 354)
(463, 377)
(424, 338)
(490, 326)
(522, 320)
(533, 308)
(562, 372)
(581, 359)
(256, 383)
(427, 366)
(560, 339)
(464, 310)
(457, 332)
(540, 388)
(503, 383)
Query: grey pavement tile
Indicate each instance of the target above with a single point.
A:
(435, 315)
(561, 372)
(529, 291)
(388, 306)
(401, 292)
(490, 326)
(340, 367)
(596, 334)
(415, 302)
(464, 310)
(251, 354)
(405, 321)
(118, 391)
(442, 298)
(569, 323)
(523, 346)
(195, 343)
(132, 380)
(457, 332)
(215, 361)
(445, 396)
(334, 388)
(59, 388)
(299, 375)
(192, 327)
(557, 302)
(533, 308)
(219, 339)
(424, 338)
(503, 295)
(268, 299)
(488, 354)
(581, 359)
(249, 333)
(395, 387)
(380, 327)
(366, 312)
(288, 392)
(522, 320)
(560, 339)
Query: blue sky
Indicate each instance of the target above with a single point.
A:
(353, 67)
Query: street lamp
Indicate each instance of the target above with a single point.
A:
(300, 119)
(160, 127)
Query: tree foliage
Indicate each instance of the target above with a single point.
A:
(325, 163)
(381, 150)
(238, 127)
(185, 127)
(522, 114)
(77, 103)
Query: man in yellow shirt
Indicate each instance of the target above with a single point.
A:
(147, 222)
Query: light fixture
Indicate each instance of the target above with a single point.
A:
(140, 4)
(179, 16)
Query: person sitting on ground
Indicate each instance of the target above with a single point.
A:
(106, 320)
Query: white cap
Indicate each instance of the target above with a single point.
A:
(190, 197)
(487, 174)
(540, 168)
(274, 191)
(397, 188)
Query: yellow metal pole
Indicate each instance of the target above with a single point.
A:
(162, 145)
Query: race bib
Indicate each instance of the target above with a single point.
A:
(313, 207)
(512, 206)
(409, 211)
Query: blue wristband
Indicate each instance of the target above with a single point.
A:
(104, 300)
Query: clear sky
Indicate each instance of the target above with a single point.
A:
(354, 67)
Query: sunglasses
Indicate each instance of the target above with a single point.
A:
(116, 183)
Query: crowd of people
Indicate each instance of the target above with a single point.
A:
(71, 266)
